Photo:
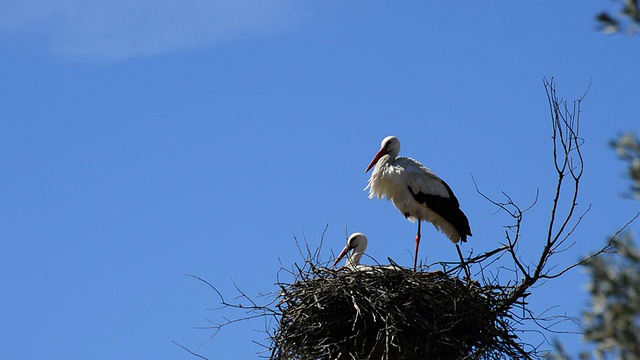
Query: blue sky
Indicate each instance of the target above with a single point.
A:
(141, 141)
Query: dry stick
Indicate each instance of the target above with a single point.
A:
(190, 352)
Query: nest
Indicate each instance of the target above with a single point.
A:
(391, 313)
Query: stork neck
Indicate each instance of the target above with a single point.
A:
(354, 259)
(393, 154)
(386, 160)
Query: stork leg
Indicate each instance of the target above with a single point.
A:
(415, 256)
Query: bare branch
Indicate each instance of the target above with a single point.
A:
(189, 351)
(605, 249)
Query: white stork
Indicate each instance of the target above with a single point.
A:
(417, 192)
(358, 243)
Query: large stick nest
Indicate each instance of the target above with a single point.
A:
(391, 313)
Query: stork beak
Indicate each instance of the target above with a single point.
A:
(380, 153)
(342, 254)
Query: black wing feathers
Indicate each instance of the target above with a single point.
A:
(447, 208)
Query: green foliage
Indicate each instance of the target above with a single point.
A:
(628, 148)
(613, 322)
(625, 20)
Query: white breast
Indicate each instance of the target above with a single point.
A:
(392, 179)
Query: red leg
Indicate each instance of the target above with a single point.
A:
(415, 257)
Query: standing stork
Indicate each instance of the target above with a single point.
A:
(358, 243)
(417, 192)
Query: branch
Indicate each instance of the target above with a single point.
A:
(605, 249)
(569, 167)
(189, 351)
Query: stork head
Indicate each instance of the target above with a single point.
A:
(356, 242)
(389, 146)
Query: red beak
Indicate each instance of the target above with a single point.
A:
(380, 153)
(342, 254)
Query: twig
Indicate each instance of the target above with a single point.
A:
(189, 351)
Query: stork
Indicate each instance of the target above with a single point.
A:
(358, 243)
(416, 192)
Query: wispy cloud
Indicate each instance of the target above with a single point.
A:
(119, 29)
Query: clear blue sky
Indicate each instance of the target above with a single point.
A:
(144, 140)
